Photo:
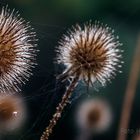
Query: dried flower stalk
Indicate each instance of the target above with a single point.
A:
(129, 94)
(59, 109)
(91, 55)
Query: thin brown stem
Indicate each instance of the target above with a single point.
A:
(130, 94)
(59, 109)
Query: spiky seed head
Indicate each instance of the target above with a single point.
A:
(90, 51)
(17, 50)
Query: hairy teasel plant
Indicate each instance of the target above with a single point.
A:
(89, 54)
(17, 50)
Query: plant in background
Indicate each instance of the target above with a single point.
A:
(89, 54)
(12, 113)
(129, 94)
(93, 116)
(17, 50)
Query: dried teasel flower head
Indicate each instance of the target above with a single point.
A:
(17, 50)
(90, 51)
(12, 112)
(94, 115)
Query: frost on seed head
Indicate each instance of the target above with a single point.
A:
(17, 50)
(91, 51)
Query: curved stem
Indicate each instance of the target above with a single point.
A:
(59, 109)
(130, 94)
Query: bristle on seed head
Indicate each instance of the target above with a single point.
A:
(17, 50)
(90, 51)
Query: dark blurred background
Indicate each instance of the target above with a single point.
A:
(51, 19)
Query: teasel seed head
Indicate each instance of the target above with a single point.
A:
(17, 50)
(91, 51)
(12, 112)
(94, 115)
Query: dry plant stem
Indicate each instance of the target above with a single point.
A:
(59, 109)
(130, 94)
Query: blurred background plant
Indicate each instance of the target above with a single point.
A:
(51, 19)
